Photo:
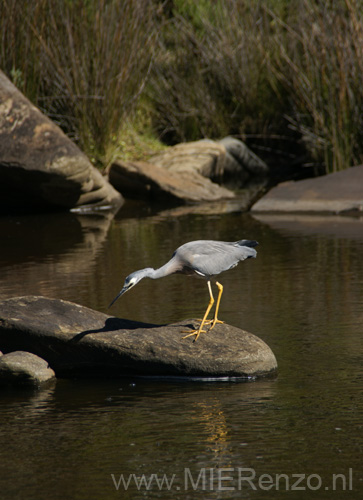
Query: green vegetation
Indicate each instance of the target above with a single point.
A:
(117, 76)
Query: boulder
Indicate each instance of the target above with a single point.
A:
(205, 157)
(242, 160)
(340, 192)
(40, 167)
(77, 341)
(24, 368)
(217, 160)
(140, 179)
(184, 173)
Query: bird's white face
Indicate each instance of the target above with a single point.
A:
(130, 281)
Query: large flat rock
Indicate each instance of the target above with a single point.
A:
(77, 341)
(140, 179)
(334, 193)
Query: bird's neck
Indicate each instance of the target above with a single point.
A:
(162, 271)
(150, 272)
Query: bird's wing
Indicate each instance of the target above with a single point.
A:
(210, 258)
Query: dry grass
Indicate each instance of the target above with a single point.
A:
(272, 69)
(84, 62)
(319, 63)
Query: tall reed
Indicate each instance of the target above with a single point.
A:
(319, 62)
(209, 78)
(84, 62)
(287, 71)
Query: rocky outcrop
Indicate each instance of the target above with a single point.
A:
(204, 157)
(340, 192)
(40, 167)
(191, 172)
(241, 161)
(137, 179)
(24, 368)
(77, 341)
(216, 160)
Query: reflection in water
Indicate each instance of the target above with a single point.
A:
(215, 423)
(48, 254)
(317, 225)
(303, 295)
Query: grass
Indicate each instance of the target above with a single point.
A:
(136, 141)
(319, 63)
(118, 76)
(84, 62)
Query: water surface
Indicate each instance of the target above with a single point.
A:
(303, 295)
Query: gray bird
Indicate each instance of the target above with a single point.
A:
(203, 258)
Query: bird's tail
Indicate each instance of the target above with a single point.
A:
(247, 243)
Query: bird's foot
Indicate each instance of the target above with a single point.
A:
(213, 323)
(194, 332)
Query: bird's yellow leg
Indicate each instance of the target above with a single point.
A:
(200, 329)
(215, 320)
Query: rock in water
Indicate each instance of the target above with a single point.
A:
(77, 341)
(24, 368)
(339, 192)
(139, 179)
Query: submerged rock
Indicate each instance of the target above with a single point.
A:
(77, 341)
(24, 368)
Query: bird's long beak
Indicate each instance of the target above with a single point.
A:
(125, 288)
